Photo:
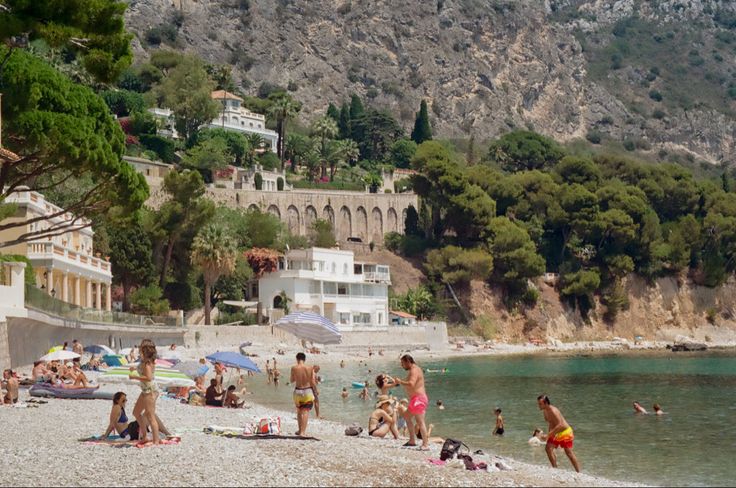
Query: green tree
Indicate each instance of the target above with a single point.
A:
(341, 152)
(322, 234)
(207, 157)
(237, 144)
(333, 112)
(343, 123)
(91, 29)
(356, 107)
(375, 131)
(187, 92)
(402, 152)
(422, 130)
(214, 252)
(131, 257)
(324, 129)
(457, 266)
(62, 132)
(123, 102)
(523, 150)
(283, 109)
(515, 259)
(303, 151)
(186, 210)
(417, 301)
(231, 287)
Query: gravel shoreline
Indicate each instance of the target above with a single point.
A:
(41, 449)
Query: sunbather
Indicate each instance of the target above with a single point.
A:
(231, 399)
(10, 382)
(214, 395)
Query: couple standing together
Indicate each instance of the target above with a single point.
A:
(303, 378)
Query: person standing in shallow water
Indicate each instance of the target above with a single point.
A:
(559, 434)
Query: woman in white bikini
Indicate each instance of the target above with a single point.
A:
(145, 407)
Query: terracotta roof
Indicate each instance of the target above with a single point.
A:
(403, 315)
(220, 94)
(8, 155)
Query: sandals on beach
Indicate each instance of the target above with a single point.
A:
(409, 445)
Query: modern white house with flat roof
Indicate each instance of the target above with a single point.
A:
(350, 293)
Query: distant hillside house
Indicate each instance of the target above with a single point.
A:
(238, 118)
(66, 266)
(233, 116)
(154, 171)
(402, 318)
(329, 282)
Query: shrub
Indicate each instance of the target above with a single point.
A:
(658, 114)
(655, 95)
(594, 137)
(269, 160)
(710, 315)
(29, 276)
(162, 33)
(280, 184)
(629, 145)
(258, 181)
(413, 245)
(402, 185)
(163, 148)
(123, 102)
(149, 300)
(392, 241)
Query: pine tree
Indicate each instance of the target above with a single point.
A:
(344, 121)
(356, 107)
(726, 182)
(422, 131)
(333, 112)
(471, 150)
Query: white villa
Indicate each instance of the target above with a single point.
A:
(66, 266)
(233, 116)
(329, 282)
(238, 118)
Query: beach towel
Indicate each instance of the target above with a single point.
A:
(436, 462)
(169, 441)
(231, 434)
(117, 441)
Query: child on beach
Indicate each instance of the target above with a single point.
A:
(537, 438)
(499, 430)
(344, 393)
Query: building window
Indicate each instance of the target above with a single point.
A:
(259, 126)
(314, 287)
(345, 268)
(380, 318)
(342, 289)
(242, 123)
(251, 124)
(344, 318)
(330, 288)
(356, 290)
(358, 269)
(334, 268)
(254, 290)
(361, 318)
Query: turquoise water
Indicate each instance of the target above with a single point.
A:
(694, 444)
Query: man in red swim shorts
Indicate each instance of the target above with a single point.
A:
(418, 400)
(560, 433)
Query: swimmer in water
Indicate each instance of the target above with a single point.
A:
(639, 409)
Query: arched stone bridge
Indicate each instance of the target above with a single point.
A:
(367, 216)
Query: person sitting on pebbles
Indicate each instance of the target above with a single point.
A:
(381, 422)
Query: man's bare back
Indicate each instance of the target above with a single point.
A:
(302, 376)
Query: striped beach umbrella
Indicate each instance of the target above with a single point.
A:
(310, 326)
(163, 376)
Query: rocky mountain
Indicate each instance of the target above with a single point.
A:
(655, 74)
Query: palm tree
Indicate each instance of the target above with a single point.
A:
(282, 109)
(255, 143)
(215, 252)
(325, 129)
(345, 151)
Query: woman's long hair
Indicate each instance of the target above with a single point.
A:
(148, 351)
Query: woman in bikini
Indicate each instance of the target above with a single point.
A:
(118, 418)
(145, 407)
(381, 422)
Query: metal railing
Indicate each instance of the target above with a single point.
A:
(40, 300)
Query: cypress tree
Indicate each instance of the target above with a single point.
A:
(356, 107)
(422, 131)
(725, 182)
(343, 122)
(333, 112)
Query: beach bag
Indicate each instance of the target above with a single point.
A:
(451, 448)
(270, 425)
(354, 430)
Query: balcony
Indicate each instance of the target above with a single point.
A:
(48, 251)
(377, 277)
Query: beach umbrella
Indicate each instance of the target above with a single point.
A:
(310, 327)
(192, 368)
(60, 356)
(163, 376)
(98, 349)
(234, 360)
(125, 351)
(55, 348)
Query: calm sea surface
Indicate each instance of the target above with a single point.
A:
(694, 444)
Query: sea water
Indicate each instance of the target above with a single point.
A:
(693, 444)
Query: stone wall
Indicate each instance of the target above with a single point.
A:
(367, 216)
(29, 338)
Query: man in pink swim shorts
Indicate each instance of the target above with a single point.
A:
(418, 401)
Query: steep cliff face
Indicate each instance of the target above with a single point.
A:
(484, 66)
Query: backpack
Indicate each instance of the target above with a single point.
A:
(451, 448)
(270, 425)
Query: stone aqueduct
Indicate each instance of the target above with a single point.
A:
(367, 216)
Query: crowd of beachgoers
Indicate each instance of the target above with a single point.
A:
(398, 416)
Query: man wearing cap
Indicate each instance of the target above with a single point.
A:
(381, 422)
(418, 400)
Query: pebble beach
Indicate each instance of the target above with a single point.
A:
(42, 447)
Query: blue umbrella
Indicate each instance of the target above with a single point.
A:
(233, 360)
(310, 327)
(98, 349)
(192, 368)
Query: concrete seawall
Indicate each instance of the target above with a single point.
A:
(24, 340)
